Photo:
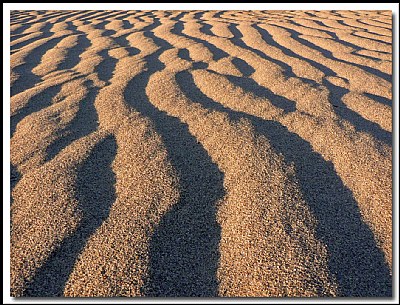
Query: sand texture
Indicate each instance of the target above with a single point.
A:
(201, 153)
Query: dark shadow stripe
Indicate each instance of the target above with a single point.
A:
(296, 36)
(90, 16)
(26, 78)
(106, 68)
(248, 84)
(373, 25)
(126, 24)
(123, 16)
(335, 95)
(184, 54)
(237, 40)
(243, 67)
(217, 52)
(17, 36)
(124, 42)
(15, 176)
(342, 22)
(20, 29)
(355, 261)
(73, 54)
(380, 99)
(361, 124)
(67, 16)
(45, 34)
(95, 194)
(267, 37)
(179, 16)
(184, 247)
(356, 34)
(84, 123)
(36, 103)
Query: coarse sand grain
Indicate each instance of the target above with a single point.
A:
(201, 153)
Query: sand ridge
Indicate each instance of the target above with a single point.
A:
(201, 153)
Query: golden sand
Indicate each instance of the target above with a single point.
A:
(201, 153)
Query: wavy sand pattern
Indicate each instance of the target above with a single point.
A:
(201, 153)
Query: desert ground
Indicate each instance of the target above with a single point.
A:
(201, 153)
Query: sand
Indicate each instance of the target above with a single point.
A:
(201, 153)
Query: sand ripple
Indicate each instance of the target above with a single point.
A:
(201, 153)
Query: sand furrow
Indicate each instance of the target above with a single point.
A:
(94, 189)
(338, 88)
(217, 54)
(260, 39)
(291, 40)
(381, 69)
(177, 266)
(193, 50)
(219, 29)
(54, 57)
(86, 15)
(373, 191)
(381, 230)
(339, 39)
(51, 17)
(20, 100)
(33, 102)
(370, 109)
(243, 270)
(351, 208)
(345, 36)
(248, 258)
(75, 244)
(201, 153)
(384, 23)
(23, 61)
(288, 88)
(44, 212)
(381, 38)
(368, 24)
(145, 189)
(24, 40)
(39, 129)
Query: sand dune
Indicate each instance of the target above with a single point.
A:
(201, 153)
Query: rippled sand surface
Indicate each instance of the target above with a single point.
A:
(201, 153)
